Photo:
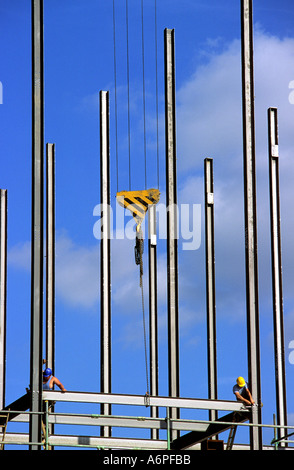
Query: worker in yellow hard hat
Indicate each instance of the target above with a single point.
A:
(242, 392)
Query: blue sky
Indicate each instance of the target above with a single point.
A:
(79, 62)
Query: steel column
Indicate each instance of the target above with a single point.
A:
(50, 261)
(277, 270)
(37, 221)
(172, 229)
(105, 276)
(3, 291)
(210, 282)
(250, 217)
(153, 312)
(50, 257)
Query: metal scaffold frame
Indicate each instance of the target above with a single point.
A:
(203, 429)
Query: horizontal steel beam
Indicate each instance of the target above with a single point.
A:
(141, 444)
(140, 400)
(91, 441)
(140, 422)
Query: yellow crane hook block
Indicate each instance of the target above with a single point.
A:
(138, 202)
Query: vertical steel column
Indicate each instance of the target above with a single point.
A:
(250, 218)
(37, 222)
(153, 313)
(210, 283)
(105, 256)
(172, 229)
(50, 257)
(277, 270)
(3, 291)
(50, 261)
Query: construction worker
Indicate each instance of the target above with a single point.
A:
(242, 392)
(49, 381)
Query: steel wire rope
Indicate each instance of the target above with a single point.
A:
(144, 132)
(156, 90)
(115, 91)
(144, 93)
(128, 84)
(143, 83)
(145, 162)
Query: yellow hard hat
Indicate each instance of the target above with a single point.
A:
(240, 381)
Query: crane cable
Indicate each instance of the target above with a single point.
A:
(115, 90)
(128, 82)
(139, 234)
(156, 91)
(140, 230)
(143, 82)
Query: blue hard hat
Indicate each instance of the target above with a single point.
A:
(47, 372)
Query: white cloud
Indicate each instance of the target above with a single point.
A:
(77, 273)
(209, 124)
(77, 270)
(209, 114)
(19, 256)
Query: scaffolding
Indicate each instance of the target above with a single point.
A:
(200, 431)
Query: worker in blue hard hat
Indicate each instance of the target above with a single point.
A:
(49, 381)
(242, 392)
